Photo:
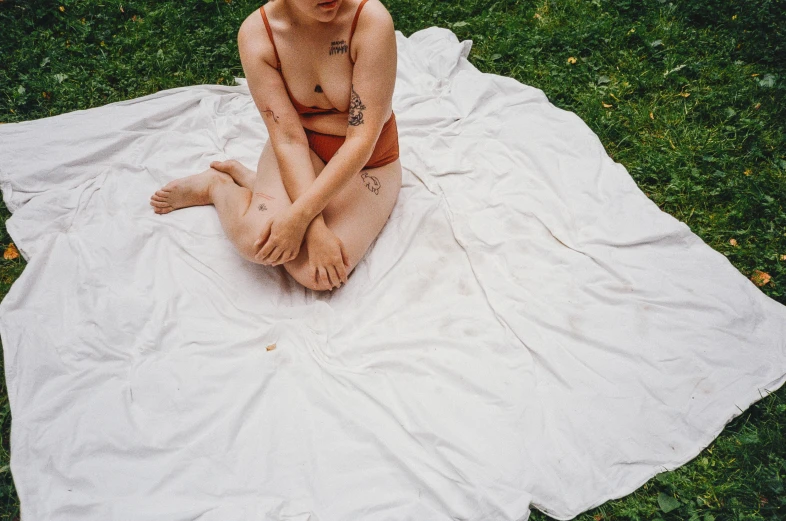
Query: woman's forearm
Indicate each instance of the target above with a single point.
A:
(297, 170)
(346, 163)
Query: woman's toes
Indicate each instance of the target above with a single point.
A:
(229, 166)
(188, 191)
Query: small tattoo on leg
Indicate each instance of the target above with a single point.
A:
(371, 182)
(262, 207)
(356, 109)
(338, 47)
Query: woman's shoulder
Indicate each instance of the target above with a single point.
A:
(374, 16)
(253, 40)
(374, 25)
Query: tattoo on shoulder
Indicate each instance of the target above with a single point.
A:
(338, 47)
(275, 118)
(371, 182)
(356, 109)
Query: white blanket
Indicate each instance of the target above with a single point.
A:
(529, 329)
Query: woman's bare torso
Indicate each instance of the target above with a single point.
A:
(315, 63)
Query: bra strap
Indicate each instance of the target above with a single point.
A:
(270, 35)
(354, 25)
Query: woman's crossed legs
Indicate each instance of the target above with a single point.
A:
(245, 200)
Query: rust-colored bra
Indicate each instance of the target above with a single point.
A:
(326, 145)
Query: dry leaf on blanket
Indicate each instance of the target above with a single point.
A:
(270, 347)
(11, 252)
(760, 278)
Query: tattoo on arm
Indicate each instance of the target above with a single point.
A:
(338, 47)
(371, 182)
(356, 109)
(275, 118)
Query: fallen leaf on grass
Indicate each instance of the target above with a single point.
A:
(571, 60)
(783, 257)
(733, 242)
(270, 347)
(11, 252)
(652, 116)
(760, 278)
(684, 94)
(748, 171)
(606, 105)
(757, 106)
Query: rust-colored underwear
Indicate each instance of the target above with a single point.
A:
(326, 145)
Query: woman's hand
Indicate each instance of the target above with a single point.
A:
(281, 238)
(327, 256)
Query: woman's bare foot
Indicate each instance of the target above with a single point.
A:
(243, 176)
(193, 190)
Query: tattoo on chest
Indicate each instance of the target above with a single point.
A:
(371, 182)
(356, 109)
(318, 88)
(338, 47)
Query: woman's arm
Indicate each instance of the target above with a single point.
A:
(373, 79)
(270, 96)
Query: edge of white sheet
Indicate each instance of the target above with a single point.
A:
(440, 98)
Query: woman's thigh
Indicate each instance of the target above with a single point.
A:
(267, 198)
(359, 212)
(356, 214)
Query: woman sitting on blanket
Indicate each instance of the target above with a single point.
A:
(322, 76)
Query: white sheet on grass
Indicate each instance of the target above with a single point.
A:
(529, 329)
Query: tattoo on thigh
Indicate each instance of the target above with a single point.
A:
(262, 207)
(371, 182)
(338, 47)
(356, 109)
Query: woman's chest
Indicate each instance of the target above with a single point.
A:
(318, 71)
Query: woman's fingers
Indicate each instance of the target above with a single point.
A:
(324, 281)
(275, 255)
(344, 256)
(266, 250)
(263, 238)
(342, 269)
(335, 279)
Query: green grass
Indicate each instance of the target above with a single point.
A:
(689, 96)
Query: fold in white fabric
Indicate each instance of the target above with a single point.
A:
(529, 329)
